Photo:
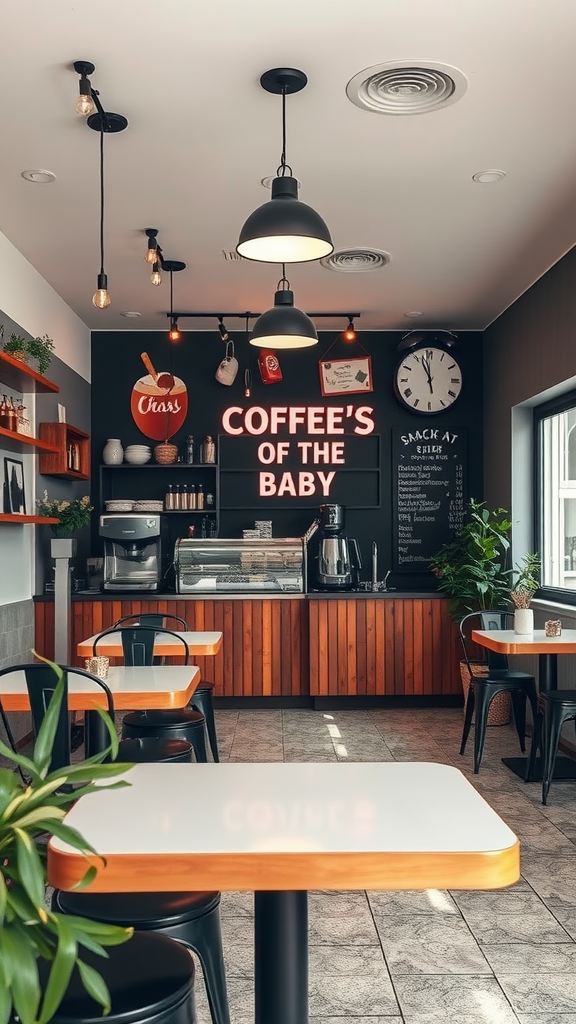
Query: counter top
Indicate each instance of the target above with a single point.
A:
(151, 595)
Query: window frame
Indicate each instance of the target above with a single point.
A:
(555, 406)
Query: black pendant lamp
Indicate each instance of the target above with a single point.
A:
(284, 326)
(284, 230)
(173, 267)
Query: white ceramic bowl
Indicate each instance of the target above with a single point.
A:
(137, 458)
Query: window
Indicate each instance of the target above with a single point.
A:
(555, 448)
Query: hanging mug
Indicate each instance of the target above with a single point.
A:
(269, 367)
(228, 368)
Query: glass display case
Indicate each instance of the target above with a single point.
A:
(217, 565)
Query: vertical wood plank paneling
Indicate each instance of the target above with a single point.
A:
(409, 635)
(427, 644)
(371, 683)
(437, 681)
(398, 686)
(420, 666)
(342, 647)
(257, 648)
(276, 639)
(387, 644)
(360, 610)
(267, 648)
(351, 653)
(315, 648)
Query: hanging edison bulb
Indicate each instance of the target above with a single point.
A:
(156, 276)
(174, 334)
(101, 297)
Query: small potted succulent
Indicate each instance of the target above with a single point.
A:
(38, 349)
(16, 346)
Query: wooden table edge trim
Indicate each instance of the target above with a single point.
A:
(495, 869)
(146, 700)
(522, 646)
(84, 650)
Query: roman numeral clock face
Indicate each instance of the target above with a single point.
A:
(428, 380)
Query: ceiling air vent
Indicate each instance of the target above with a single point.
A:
(406, 87)
(231, 256)
(356, 260)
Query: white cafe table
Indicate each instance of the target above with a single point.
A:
(281, 829)
(199, 643)
(147, 687)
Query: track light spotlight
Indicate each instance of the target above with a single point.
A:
(222, 329)
(350, 333)
(156, 276)
(84, 104)
(174, 334)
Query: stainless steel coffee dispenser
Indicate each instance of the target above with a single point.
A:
(132, 551)
(338, 560)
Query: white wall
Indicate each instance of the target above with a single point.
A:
(28, 300)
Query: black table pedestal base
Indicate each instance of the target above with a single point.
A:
(281, 957)
(564, 769)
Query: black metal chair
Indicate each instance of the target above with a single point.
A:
(150, 979)
(41, 683)
(554, 708)
(203, 695)
(192, 918)
(184, 723)
(493, 678)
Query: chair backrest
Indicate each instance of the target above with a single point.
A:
(152, 619)
(41, 683)
(138, 643)
(488, 619)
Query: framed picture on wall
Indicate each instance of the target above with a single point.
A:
(345, 376)
(14, 497)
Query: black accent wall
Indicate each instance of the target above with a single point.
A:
(116, 365)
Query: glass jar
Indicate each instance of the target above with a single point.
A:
(189, 452)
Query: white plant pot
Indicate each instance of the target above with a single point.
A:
(524, 621)
(113, 453)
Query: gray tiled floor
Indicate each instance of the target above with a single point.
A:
(422, 957)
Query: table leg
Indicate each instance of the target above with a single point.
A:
(96, 734)
(281, 957)
(548, 671)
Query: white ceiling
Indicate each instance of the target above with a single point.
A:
(202, 134)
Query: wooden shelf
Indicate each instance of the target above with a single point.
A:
(167, 465)
(9, 517)
(62, 437)
(20, 377)
(15, 442)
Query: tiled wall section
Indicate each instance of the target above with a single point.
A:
(16, 643)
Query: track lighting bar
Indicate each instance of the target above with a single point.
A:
(251, 316)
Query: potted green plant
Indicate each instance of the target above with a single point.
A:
(72, 515)
(16, 346)
(472, 570)
(29, 814)
(41, 349)
(524, 584)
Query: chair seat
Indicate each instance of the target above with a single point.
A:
(558, 696)
(148, 977)
(204, 687)
(172, 717)
(501, 675)
(143, 910)
(153, 749)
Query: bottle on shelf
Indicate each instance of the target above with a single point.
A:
(209, 502)
(4, 412)
(184, 497)
(11, 416)
(208, 449)
(192, 497)
(189, 452)
(200, 496)
(169, 498)
(177, 498)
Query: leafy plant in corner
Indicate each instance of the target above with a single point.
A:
(16, 345)
(472, 569)
(29, 812)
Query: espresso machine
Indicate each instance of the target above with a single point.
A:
(338, 559)
(132, 551)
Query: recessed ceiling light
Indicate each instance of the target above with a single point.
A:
(414, 313)
(39, 176)
(488, 177)
(403, 87)
(130, 312)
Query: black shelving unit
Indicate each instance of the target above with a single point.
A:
(150, 481)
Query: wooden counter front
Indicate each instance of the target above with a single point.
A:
(299, 647)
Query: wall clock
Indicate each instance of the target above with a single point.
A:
(428, 380)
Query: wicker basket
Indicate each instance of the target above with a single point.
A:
(165, 453)
(499, 713)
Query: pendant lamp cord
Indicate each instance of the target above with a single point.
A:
(101, 201)
(283, 283)
(284, 168)
(171, 319)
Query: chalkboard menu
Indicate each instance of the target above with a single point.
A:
(429, 482)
